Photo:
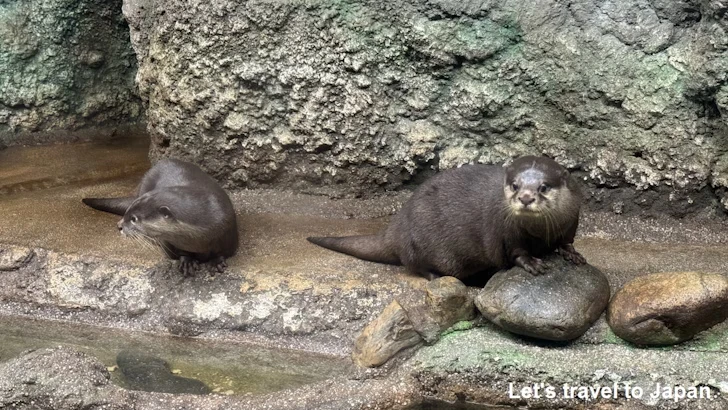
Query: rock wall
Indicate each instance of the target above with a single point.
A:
(370, 95)
(66, 70)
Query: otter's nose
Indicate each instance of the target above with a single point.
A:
(526, 199)
(118, 225)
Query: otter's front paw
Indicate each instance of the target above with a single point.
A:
(571, 254)
(431, 275)
(220, 264)
(187, 265)
(534, 266)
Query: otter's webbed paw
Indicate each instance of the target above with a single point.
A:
(534, 266)
(220, 264)
(187, 265)
(429, 275)
(570, 254)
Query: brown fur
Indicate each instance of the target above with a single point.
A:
(471, 220)
(182, 210)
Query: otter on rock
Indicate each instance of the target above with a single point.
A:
(180, 209)
(478, 219)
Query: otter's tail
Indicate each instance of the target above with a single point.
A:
(116, 206)
(368, 247)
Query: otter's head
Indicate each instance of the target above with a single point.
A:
(156, 217)
(536, 187)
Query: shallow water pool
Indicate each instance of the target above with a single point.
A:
(167, 363)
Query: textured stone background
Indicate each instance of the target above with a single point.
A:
(66, 66)
(368, 95)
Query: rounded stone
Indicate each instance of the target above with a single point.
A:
(558, 305)
(668, 308)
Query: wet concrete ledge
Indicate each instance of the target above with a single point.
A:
(279, 285)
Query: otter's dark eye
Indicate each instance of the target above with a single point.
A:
(134, 219)
(515, 186)
(544, 188)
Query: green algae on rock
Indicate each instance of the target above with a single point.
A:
(66, 67)
(559, 305)
(480, 365)
(669, 307)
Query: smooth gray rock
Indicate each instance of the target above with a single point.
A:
(559, 305)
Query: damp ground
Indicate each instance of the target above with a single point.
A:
(41, 189)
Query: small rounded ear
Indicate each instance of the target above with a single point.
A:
(565, 174)
(508, 168)
(165, 211)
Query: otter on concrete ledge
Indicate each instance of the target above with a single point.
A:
(478, 219)
(180, 209)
